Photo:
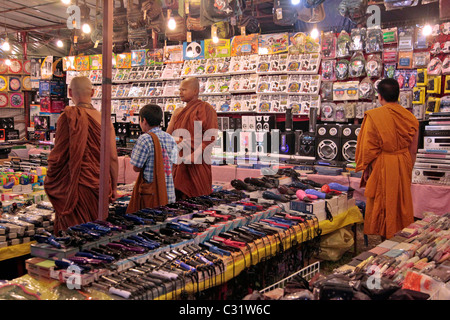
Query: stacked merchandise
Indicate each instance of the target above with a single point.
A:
(14, 81)
(413, 265)
(432, 164)
(188, 245)
(7, 131)
(30, 222)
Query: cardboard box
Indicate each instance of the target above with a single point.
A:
(342, 203)
(317, 207)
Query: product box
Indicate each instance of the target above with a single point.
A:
(342, 203)
(57, 106)
(317, 207)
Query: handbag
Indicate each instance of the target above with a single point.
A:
(154, 194)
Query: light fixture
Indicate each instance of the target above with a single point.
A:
(315, 33)
(59, 43)
(8, 62)
(215, 39)
(427, 30)
(65, 1)
(86, 28)
(6, 46)
(172, 24)
(295, 2)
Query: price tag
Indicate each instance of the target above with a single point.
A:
(186, 7)
(189, 37)
(243, 31)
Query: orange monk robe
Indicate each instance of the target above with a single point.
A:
(383, 148)
(72, 181)
(194, 179)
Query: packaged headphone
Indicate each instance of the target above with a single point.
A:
(359, 110)
(366, 90)
(342, 69)
(405, 99)
(446, 65)
(343, 44)
(350, 110)
(421, 59)
(358, 38)
(329, 45)
(434, 67)
(340, 113)
(374, 66)
(328, 67)
(326, 91)
(357, 65)
(374, 40)
(328, 111)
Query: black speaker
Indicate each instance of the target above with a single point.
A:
(167, 117)
(305, 143)
(328, 142)
(7, 123)
(122, 128)
(225, 123)
(287, 142)
(231, 141)
(237, 123)
(232, 124)
(268, 123)
(349, 138)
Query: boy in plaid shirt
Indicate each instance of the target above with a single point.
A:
(143, 155)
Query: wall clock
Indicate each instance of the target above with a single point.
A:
(27, 66)
(16, 66)
(3, 100)
(3, 67)
(16, 100)
(15, 84)
(26, 83)
(3, 83)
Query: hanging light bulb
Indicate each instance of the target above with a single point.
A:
(295, 2)
(172, 24)
(215, 39)
(315, 33)
(86, 28)
(6, 46)
(59, 43)
(65, 1)
(8, 62)
(427, 30)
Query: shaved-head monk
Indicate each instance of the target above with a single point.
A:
(386, 151)
(72, 182)
(193, 179)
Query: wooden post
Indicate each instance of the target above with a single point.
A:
(105, 160)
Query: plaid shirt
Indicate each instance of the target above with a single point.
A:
(143, 156)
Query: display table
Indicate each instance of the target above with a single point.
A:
(426, 197)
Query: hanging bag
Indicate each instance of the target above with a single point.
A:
(154, 194)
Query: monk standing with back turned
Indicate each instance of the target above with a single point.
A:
(386, 151)
(192, 177)
(72, 182)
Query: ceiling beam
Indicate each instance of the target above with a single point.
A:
(29, 7)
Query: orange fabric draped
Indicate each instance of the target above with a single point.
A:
(383, 149)
(194, 179)
(72, 181)
(154, 194)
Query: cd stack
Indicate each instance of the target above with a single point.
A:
(432, 164)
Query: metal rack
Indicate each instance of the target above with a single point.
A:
(307, 273)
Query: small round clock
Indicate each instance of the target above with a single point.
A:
(3, 67)
(15, 84)
(16, 66)
(16, 100)
(26, 83)
(3, 100)
(3, 83)
(27, 66)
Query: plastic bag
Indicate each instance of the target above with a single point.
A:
(335, 244)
